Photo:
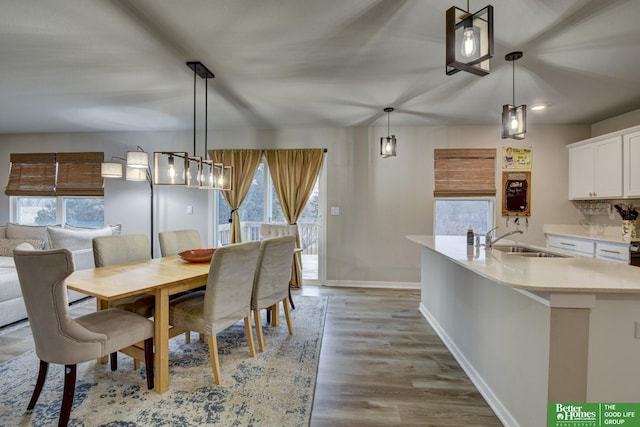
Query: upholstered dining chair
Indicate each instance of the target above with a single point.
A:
(268, 231)
(225, 301)
(120, 249)
(61, 339)
(271, 284)
(174, 242)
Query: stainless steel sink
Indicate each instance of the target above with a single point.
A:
(528, 252)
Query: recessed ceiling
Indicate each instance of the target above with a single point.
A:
(77, 65)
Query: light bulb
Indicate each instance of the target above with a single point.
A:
(172, 170)
(387, 147)
(514, 122)
(468, 47)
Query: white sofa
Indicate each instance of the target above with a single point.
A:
(77, 240)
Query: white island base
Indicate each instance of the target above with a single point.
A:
(525, 345)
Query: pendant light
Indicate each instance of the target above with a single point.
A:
(514, 118)
(469, 40)
(388, 144)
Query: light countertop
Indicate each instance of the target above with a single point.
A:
(574, 274)
(604, 234)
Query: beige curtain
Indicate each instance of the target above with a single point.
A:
(294, 174)
(245, 163)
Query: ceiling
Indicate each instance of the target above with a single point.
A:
(99, 65)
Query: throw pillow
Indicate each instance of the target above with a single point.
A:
(75, 239)
(8, 245)
(19, 231)
(117, 228)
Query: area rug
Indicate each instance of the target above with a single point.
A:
(273, 389)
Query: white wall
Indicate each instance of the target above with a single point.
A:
(380, 200)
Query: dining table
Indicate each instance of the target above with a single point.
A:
(161, 277)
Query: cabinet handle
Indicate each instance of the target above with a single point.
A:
(610, 252)
(567, 244)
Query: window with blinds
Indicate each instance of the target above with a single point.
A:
(55, 174)
(464, 172)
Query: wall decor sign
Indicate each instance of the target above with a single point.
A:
(516, 157)
(516, 197)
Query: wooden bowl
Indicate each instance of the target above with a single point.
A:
(197, 255)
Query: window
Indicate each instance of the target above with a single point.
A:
(77, 211)
(464, 190)
(453, 216)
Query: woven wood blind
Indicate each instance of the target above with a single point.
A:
(32, 175)
(55, 174)
(464, 172)
(79, 174)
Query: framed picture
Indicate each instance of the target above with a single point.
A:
(516, 157)
(516, 197)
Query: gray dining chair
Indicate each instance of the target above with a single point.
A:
(64, 340)
(120, 249)
(225, 301)
(269, 231)
(176, 241)
(271, 284)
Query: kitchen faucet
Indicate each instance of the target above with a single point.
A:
(489, 243)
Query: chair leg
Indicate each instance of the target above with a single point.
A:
(268, 314)
(215, 361)
(201, 337)
(249, 333)
(148, 361)
(114, 360)
(258, 321)
(136, 364)
(187, 337)
(291, 299)
(287, 315)
(67, 396)
(42, 376)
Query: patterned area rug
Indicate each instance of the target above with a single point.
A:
(274, 389)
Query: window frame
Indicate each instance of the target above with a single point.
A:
(61, 214)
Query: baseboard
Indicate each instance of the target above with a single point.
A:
(501, 412)
(363, 284)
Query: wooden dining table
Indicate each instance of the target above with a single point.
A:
(161, 277)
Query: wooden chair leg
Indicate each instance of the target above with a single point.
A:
(136, 364)
(187, 337)
(201, 337)
(275, 315)
(249, 333)
(148, 361)
(258, 321)
(67, 396)
(42, 376)
(113, 357)
(287, 315)
(215, 361)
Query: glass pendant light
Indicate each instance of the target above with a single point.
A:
(514, 118)
(388, 144)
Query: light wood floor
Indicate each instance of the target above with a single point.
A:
(381, 364)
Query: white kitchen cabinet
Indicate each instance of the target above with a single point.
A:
(595, 169)
(631, 166)
(574, 245)
(616, 252)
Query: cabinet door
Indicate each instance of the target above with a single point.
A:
(608, 176)
(631, 165)
(581, 172)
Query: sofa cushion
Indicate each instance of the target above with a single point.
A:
(8, 245)
(75, 239)
(117, 228)
(20, 231)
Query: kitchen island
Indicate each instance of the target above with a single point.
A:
(530, 331)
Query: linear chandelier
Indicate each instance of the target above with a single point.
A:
(192, 171)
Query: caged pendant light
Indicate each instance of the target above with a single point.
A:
(388, 144)
(514, 118)
(469, 40)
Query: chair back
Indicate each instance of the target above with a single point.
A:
(57, 337)
(228, 293)
(174, 242)
(120, 249)
(271, 284)
(268, 231)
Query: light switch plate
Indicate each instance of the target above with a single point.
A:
(189, 209)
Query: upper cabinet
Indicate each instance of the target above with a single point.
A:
(596, 168)
(631, 166)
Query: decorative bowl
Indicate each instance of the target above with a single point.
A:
(197, 255)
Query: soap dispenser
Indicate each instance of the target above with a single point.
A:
(470, 236)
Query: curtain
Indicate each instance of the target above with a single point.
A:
(294, 174)
(244, 163)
